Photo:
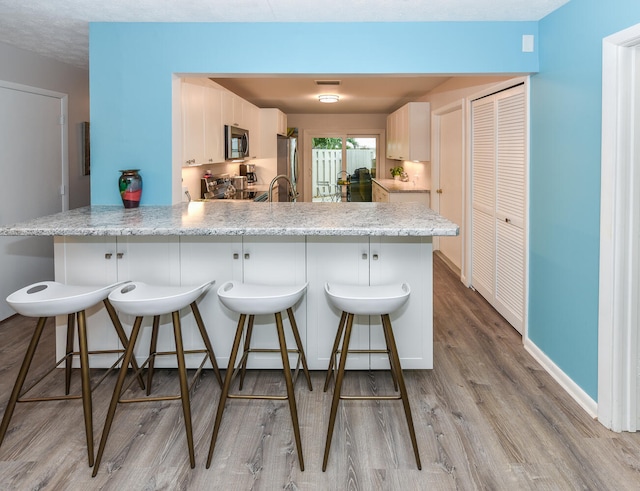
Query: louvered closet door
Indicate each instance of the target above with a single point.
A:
(483, 193)
(498, 170)
(510, 205)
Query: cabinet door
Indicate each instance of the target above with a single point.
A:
(193, 124)
(204, 259)
(402, 133)
(154, 260)
(392, 136)
(378, 194)
(337, 260)
(399, 260)
(213, 127)
(88, 261)
(276, 260)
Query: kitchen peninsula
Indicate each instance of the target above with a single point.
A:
(273, 243)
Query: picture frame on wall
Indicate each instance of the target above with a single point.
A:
(86, 149)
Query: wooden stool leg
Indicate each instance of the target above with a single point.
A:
(68, 364)
(391, 367)
(226, 385)
(247, 347)
(207, 342)
(296, 335)
(115, 320)
(22, 375)
(386, 324)
(184, 386)
(289, 383)
(128, 355)
(153, 347)
(334, 350)
(337, 389)
(86, 383)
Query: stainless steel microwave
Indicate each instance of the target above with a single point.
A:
(236, 143)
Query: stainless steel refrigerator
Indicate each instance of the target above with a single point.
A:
(287, 165)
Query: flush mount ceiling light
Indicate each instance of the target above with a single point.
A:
(328, 98)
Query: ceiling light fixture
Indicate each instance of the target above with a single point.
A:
(328, 98)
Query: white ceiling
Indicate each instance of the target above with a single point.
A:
(59, 29)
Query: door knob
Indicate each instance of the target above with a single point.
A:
(439, 191)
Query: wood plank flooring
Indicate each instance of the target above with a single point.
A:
(487, 417)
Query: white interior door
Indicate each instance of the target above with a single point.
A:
(33, 166)
(450, 182)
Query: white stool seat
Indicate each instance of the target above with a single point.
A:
(368, 300)
(252, 299)
(139, 299)
(50, 298)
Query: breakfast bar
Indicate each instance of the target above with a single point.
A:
(268, 243)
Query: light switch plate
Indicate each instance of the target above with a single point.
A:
(527, 43)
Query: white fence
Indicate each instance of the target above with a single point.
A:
(328, 163)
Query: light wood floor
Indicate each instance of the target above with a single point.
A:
(487, 417)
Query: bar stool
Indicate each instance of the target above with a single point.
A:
(250, 299)
(142, 300)
(49, 299)
(367, 300)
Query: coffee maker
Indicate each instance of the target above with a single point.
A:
(249, 170)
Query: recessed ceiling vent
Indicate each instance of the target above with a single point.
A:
(328, 82)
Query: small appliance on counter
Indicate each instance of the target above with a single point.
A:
(222, 186)
(249, 171)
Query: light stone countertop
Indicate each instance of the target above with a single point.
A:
(236, 217)
(394, 186)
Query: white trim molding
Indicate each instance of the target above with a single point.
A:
(617, 318)
(573, 389)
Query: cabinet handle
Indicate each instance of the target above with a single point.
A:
(439, 191)
(364, 255)
(375, 257)
(236, 255)
(508, 220)
(108, 255)
(246, 255)
(119, 255)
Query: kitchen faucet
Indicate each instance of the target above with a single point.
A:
(292, 192)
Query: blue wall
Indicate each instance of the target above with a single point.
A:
(131, 67)
(566, 115)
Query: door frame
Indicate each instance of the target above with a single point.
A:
(435, 174)
(618, 289)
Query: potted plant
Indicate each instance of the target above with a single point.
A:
(396, 172)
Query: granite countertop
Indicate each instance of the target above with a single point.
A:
(236, 217)
(393, 186)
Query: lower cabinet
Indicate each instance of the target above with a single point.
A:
(381, 195)
(190, 260)
(371, 261)
(104, 260)
(266, 260)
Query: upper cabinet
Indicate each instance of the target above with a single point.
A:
(409, 132)
(238, 112)
(206, 109)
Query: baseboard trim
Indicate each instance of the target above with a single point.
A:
(578, 395)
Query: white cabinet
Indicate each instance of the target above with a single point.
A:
(371, 261)
(275, 260)
(409, 132)
(381, 195)
(106, 260)
(271, 260)
(202, 129)
(192, 124)
(273, 122)
(213, 127)
(235, 111)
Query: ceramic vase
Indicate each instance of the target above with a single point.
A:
(130, 184)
